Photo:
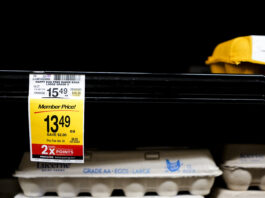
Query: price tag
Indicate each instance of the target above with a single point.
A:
(56, 117)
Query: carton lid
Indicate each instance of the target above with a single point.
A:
(244, 156)
(241, 49)
(177, 196)
(117, 164)
(224, 193)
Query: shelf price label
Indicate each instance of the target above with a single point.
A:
(56, 117)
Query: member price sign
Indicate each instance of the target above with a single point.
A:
(56, 117)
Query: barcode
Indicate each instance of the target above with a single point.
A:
(66, 77)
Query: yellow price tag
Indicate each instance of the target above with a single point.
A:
(56, 122)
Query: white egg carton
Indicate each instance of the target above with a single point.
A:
(244, 166)
(165, 172)
(177, 196)
(224, 193)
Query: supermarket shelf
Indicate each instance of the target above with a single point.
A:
(151, 87)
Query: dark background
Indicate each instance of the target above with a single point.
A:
(117, 37)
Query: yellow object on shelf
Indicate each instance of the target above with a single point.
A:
(242, 55)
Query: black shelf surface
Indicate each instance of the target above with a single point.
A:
(131, 87)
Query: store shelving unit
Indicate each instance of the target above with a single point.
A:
(127, 110)
(152, 87)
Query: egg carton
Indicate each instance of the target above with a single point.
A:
(241, 55)
(224, 193)
(244, 166)
(165, 172)
(178, 196)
